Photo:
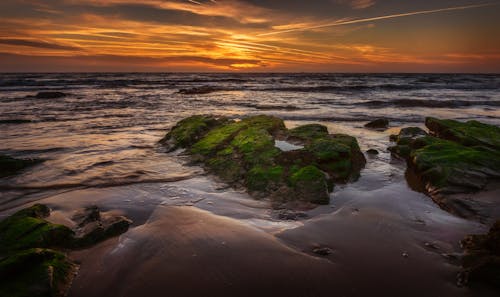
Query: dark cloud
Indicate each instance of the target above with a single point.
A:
(37, 44)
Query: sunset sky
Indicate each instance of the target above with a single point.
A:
(250, 35)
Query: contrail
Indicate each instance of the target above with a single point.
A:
(392, 16)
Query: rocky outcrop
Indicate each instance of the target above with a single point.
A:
(244, 154)
(455, 158)
(33, 261)
(11, 166)
(481, 262)
(378, 124)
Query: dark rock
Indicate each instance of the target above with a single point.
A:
(36, 272)
(290, 215)
(28, 229)
(28, 264)
(459, 158)
(93, 227)
(372, 152)
(378, 124)
(243, 153)
(50, 95)
(481, 262)
(11, 166)
(323, 251)
(199, 90)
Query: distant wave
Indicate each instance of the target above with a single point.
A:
(429, 103)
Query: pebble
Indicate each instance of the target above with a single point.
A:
(405, 254)
(323, 251)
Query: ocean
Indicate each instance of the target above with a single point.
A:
(105, 131)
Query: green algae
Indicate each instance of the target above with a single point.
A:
(471, 133)
(310, 184)
(35, 273)
(190, 130)
(243, 153)
(28, 229)
(308, 132)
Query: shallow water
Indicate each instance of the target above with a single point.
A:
(100, 147)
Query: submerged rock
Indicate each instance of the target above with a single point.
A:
(244, 153)
(199, 90)
(378, 124)
(50, 95)
(32, 257)
(372, 152)
(323, 251)
(11, 166)
(481, 262)
(456, 158)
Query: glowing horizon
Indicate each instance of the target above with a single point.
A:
(249, 35)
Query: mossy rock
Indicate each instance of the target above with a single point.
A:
(310, 184)
(308, 132)
(378, 124)
(456, 158)
(243, 153)
(27, 229)
(471, 133)
(481, 262)
(35, 273)
(190, 130)
(11, 166)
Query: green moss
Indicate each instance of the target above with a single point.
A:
(228, 168)
(310, 184)
(27, 229)
(309, 132)
(328, 149)
(260, 179)
(10, 166)
(34, 273)
(189, 130)
(256, 145)
(269, 123)
(471, 133)
(216, 138)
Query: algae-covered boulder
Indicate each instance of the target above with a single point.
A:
(471, 133)
(35, 273)
(10, 166)
(245, 154)
(28, 229)
(481, 262)
(32, 257)
(456, 158)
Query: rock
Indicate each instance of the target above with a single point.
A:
(471, 133)
(50, 95)
(36, 272)
(243, 154)
(378, 124)
(307, 132)
(28, 229)
(323, 251)
(290, 215)
(190, 130)
(372, 152)
(93, 227)
(29, 263)
(405, 255)
(456, 158)
(10, 166)
(199, 90)
(481, 262)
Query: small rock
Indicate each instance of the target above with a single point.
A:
(291, 215)
(49, 95)
(405, 254)
(378, 124)
(372, 152)
(323, 251)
